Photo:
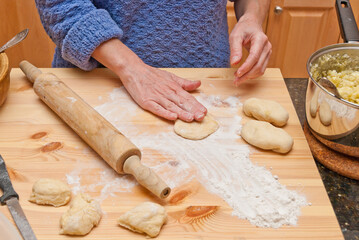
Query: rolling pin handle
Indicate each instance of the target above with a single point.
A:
(30, 70)
(146, 177)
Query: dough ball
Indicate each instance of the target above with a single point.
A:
(265, 136)
(146, 218)
(46, 191)
(266, 110)
(84, 214)
(196, 130)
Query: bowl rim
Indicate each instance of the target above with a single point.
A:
(329, 49)
(4, 63)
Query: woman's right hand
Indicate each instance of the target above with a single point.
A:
(155, 90)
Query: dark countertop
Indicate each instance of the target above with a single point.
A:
(343, 192)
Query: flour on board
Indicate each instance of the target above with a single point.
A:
(72, 99)
(220, 163)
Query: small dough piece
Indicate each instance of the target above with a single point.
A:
(325, 113)
(266, 110)
(265, 136)
(84, 214)
(196, 130)
(47, 191)
(146, 218)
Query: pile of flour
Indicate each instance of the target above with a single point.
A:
(220, 163)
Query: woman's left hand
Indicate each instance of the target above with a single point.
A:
(248, 33)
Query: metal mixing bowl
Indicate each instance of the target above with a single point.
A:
(333, 121)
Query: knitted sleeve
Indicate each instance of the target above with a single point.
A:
(77, 27)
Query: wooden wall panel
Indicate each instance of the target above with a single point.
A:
(16, 15)
(302, 28)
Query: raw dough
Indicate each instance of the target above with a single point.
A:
(266, 110)
(325, 113)
(196, 130)
(48, 191)
(146, 218)
(264, 135)
(84, 214)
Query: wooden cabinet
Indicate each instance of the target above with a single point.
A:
(296, 29)
(16, 15)
(355, 7)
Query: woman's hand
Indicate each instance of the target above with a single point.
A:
(155, 90)
(163, 93)
(248, 33)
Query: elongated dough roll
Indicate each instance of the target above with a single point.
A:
(266, 110)
(265, 136)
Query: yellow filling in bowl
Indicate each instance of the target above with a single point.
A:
(347, 83)
(342, 70)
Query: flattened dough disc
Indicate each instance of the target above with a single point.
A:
(196, 130)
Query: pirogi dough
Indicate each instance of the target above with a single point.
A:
(47, 191)
(84, 214)
(266, 110)
(146, 218)
(266, 136)
(196, 130)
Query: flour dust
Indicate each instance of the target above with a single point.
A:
(219, 162)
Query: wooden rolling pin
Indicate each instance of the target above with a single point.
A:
(121, 154)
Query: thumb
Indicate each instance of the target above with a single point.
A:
(236, 50)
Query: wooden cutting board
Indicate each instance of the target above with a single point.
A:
(35, 143)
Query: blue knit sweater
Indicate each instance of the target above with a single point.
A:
(163, 33)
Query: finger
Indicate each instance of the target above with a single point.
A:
(257, 45)
(265, 64)
(172, 107)
(158, 110)
(253, 73)
(186, 101)
(190, 104)
(258, 69)
(235, 44)
(187, 84)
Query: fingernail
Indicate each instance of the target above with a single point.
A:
(189, 116)
(235, 59)
(174, 116)
(199, 116)
(238, 74)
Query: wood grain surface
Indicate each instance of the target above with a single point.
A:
(35, 143)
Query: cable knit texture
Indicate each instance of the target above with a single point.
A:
(181, 33)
